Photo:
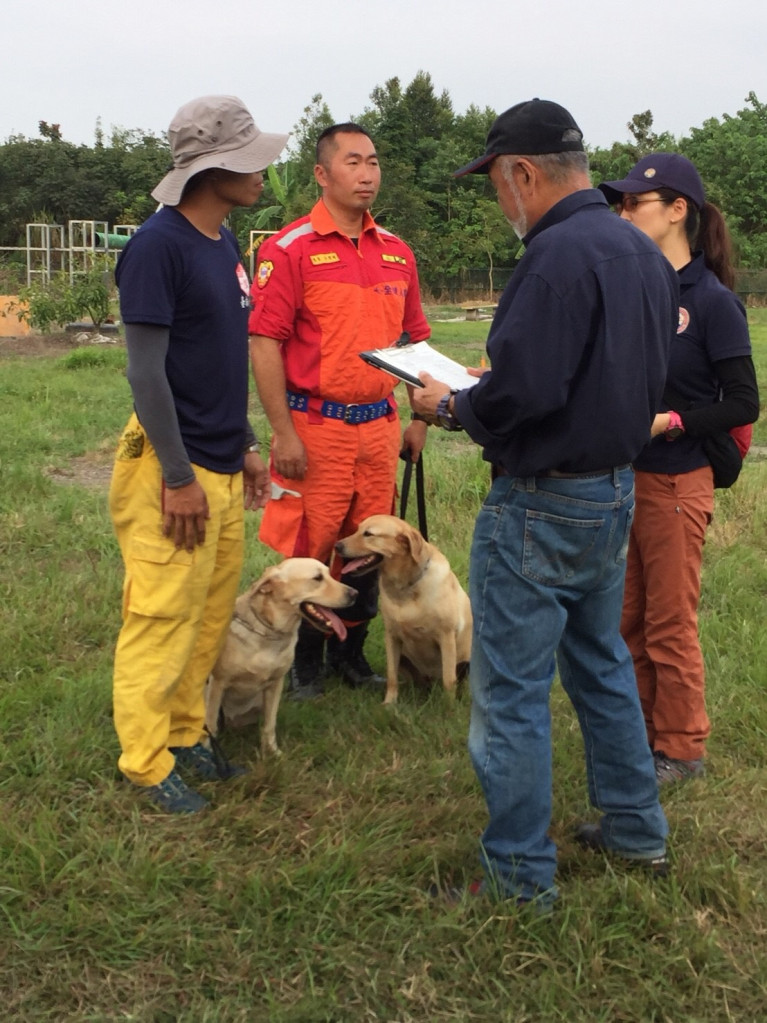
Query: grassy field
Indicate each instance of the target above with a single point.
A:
(299, 897)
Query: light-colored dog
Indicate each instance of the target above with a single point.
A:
(249, 674)
(426, 613)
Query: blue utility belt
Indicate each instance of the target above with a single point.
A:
(352, 413)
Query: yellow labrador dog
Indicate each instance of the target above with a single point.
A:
(249, 674)
(426, 613)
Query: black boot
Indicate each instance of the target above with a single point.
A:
(307, 672)
(347, 659)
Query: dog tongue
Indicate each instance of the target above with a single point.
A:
(355, 563)
(334, 621)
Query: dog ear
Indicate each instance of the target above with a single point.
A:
(266, 583)
(413, 542)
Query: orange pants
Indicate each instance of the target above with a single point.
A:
(660, 607)
(352, 473)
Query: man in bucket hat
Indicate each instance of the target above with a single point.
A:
(578, 351)
(187, 462)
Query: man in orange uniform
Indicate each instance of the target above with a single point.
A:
(327, 287)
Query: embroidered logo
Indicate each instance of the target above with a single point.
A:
(650, 172)
(684, 320)
(242, 277)
(324, 257)
(389, 258)
(264, 272)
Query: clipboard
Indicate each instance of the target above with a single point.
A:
(406, 361)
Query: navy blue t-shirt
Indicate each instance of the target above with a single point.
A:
(712, 327)
(172, 275)
(578, 347)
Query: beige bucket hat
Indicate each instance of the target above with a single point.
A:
(215, 131)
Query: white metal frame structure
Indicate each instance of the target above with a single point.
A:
(52, 248)
(47, 251)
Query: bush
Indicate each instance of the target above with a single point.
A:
(62, 301)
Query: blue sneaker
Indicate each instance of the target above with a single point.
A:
(207, 763)
(173, 795)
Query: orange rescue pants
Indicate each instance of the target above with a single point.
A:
(352, 473)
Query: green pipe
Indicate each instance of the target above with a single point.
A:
(112, 241)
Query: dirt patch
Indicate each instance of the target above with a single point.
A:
(37, 345)
(92, 470)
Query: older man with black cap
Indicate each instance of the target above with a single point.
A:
(187, 462)
(578, 352)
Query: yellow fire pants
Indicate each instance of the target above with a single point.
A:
(177, 606)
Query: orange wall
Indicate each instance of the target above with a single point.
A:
(11, 325)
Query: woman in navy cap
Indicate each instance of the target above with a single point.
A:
(710, 360)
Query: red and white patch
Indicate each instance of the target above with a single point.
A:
(242, 277)
(264, 272)
(684, 320)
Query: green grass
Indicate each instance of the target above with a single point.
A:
(299, 898)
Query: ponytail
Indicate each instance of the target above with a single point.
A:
(714, 238)
(706, 229)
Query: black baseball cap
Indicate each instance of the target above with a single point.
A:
(532, 128)
(658, 170)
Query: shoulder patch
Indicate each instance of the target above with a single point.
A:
(242, 277)
(387, 257)
(264, 272)
(324, 257)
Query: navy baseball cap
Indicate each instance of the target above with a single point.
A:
(659, 170)
(532, 128)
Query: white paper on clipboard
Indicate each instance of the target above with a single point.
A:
(407, 361)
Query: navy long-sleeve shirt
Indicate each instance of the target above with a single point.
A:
(579, 345)
(710, 358)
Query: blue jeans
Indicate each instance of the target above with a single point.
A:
(548, 562)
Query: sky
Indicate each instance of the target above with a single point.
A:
(133, 64)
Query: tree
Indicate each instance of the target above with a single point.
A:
(303, 192)
(615, 163)
(450, 223)
(53, 180)
(731, 157)
(421, 143)
(645, 139)
(280, 183)
(49, 131)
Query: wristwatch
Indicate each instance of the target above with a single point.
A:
(253, 448)
(445, 418)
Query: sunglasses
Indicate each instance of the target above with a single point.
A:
(630, 203)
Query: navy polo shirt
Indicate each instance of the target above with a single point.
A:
(712, 326)
(171, 275)
(578, 347)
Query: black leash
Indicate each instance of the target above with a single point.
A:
(419, 490)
